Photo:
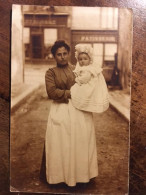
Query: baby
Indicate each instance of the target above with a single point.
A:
(90, 90)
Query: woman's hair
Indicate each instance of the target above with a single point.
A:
(58, 44)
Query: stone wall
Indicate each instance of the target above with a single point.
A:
(16, 46)
(125, 47)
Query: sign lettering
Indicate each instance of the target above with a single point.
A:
(38, 22)
(98, 38)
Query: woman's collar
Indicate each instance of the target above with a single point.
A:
(62, 66)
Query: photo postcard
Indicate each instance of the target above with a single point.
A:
(70, 99)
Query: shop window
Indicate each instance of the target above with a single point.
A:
(115, 18)
(106, 18)
(110, 50)
(109, 18)
(50, 36)
(98, 54)
(84, 18)
(109, 61)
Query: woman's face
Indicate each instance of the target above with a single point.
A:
(61, 56)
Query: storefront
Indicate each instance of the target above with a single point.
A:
(40, 32)
(104, 44)
(45, 25)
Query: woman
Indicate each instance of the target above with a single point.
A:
(70, 143)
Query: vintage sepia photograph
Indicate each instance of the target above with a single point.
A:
(70, 99)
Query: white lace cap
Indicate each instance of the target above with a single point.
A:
(84, 48)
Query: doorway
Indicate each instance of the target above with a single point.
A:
(36, 46)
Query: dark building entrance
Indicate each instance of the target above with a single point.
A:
(36, 41)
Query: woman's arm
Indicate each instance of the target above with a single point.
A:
(53, 92)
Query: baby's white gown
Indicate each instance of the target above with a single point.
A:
(93, 95)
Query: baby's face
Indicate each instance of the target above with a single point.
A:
(84, 59)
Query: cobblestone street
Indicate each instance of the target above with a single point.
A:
(28, 126)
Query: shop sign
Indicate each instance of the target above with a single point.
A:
(31, 22)
(98, 39)
(43, 20)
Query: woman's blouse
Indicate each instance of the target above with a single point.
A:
(59, 81)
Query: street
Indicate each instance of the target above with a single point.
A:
(28, 126)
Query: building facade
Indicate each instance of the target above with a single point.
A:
(43, 25)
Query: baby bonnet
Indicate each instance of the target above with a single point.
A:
(84, 48)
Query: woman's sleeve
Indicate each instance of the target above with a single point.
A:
(53, 92)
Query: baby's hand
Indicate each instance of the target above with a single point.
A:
(77, 81)
(85, 77)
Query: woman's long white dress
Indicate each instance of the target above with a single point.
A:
(70, 142)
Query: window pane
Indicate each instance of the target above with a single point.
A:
(115, 18)
(104, 17)
(94, 18)
(85, 18)
(110, 18)
(110, 50)
(50, 36)
(98, 54)
(26, 35)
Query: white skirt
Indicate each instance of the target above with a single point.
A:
(71, 154)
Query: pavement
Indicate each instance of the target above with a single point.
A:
(34, 78)
(28, 129)
(21, 93)
(120, 101)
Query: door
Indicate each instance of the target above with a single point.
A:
(36, 46)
